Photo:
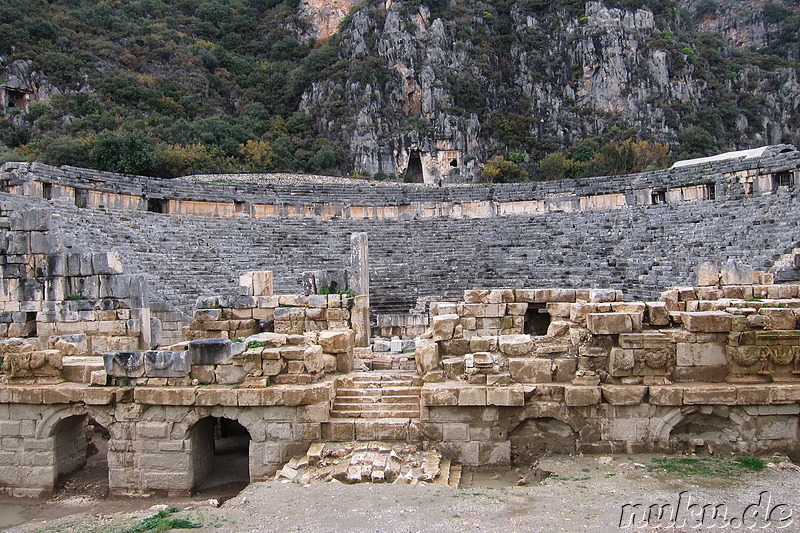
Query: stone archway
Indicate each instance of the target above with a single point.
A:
(535, 437)
(718, 426)
(80, 450)
(220, 455)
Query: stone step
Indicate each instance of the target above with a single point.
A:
(444, 475)
(377, 407)
(336, 413)
(455, 476)
(383, 429)
(358, 393)
(367, 400)
(389, 391)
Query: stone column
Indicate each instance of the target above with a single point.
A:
(359, 283)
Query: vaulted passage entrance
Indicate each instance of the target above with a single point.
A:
(81, 453)
(220, 456)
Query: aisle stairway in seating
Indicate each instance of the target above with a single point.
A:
(375, 406)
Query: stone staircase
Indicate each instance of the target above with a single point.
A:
(377, 395)
(375, 406)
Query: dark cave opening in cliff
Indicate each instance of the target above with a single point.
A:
(414, 169)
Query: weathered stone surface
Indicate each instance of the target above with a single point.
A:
(439, 395)
(657, 314)
(579, 396)
(313, 359)
(707, 274)
(666, 395)
(516, 345)
(621, 361)
(426, 355)
(124, 364)
(736, 273)
(472, 396)
(42, 363)
(709, 395)
(209, 351)
(624, 394)
(528, 370)
(443, 327)
(164, 395)
(75, 344)
(777, 319)
(166, 364)
(707, 321)
(701, 354)
(603, 295)
(229, 374)
(336, 341)
(611, 323)
(505, 396)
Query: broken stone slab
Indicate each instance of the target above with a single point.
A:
(209, 351)
(736, 273)
(443, 327)
(75, 344)
(657, 314)
(516, 345)
(528, 370)
(43, 363)
(454, 367)
(124, 364)
(613, 323)
(604, 295)
(337, 341)
(707, 274)
(258, 283)
(624, 394)
(167, 364)
(426, 355)
(707, 321)
(778, 319)
(621, 361)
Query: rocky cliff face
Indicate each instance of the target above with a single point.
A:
(430, 90)
(744, 24)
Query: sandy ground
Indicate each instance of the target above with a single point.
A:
(583, 494)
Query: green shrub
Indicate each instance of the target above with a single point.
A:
(500, 170)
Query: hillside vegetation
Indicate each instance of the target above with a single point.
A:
(531, 89)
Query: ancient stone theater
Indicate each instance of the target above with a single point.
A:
(654, 312)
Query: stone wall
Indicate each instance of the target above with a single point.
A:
(151, 448)
(52, 293)
(716, 366)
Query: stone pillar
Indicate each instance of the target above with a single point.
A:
(359, 283)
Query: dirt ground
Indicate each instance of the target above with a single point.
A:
(581, 494)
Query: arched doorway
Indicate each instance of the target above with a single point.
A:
(709, 429)
(535, 437)
(220, 456)
(81, 457)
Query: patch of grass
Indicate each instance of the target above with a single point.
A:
(161, 521)
(255, 344)
(75, 297)
(708, 466)
(752, 300)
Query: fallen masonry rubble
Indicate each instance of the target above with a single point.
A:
(371, 462)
